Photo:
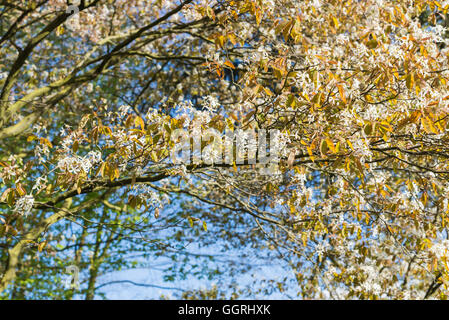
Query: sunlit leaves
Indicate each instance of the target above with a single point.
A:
(358, 92)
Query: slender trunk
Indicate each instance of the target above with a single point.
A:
(90, 293)
(79, 252)
(98, 257)
(13, 254)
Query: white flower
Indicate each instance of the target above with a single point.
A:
(342, 38)
(139, 171)
(40, 182)
(320, 248)
(301, 178)
(90, 87)
(124, 110)
(74, 164)
(361, 150)
(316, 4)
(146, 193)
(211, 103)
(41, 151)
(24, 205)
(440, 249)
(94, 157)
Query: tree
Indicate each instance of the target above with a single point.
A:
(99, 98)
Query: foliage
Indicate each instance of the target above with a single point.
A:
(89, 103)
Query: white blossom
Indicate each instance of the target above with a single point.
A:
(24, 204)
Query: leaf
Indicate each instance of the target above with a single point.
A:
(229, 64)
(428, 125)
(41, 246)
(248, 116)
(129, 121)
(350, 145)
(75, 146)
(324, 147)
(107, 130)
(310, 152)
(59, 30)
(5, 194)
(335, 22)
(291, 159)
(258, 16)
(46, 142)
(267, 91)
(220, 41)
(21, 190)
(372, 44)
(410, 81)
(330, 145)
(342, 93)
(368, 129)
(153, 156)
(286, 30)
(317, 98)
(291, 101)
(138, 121)
(231, 38)
(210, 13)
(31, 138)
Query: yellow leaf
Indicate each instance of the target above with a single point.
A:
(154, 156)
(330, 144)
(46, 142)
(138, 121)
(41, 246)
(309, 150)
(342, 93)
(428, 125)
(21, 189)
(31, 138)
(410, 81)
(324, 147)
(368, 129)
(350, 145)
(232, 39)
(286, 30)
(75, 146)
(229, 64)
(258, 17)
(267, 91)
(335, 21)
(372, 44)
(60, 30)
(304, 239)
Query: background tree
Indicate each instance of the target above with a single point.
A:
(89, 103)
